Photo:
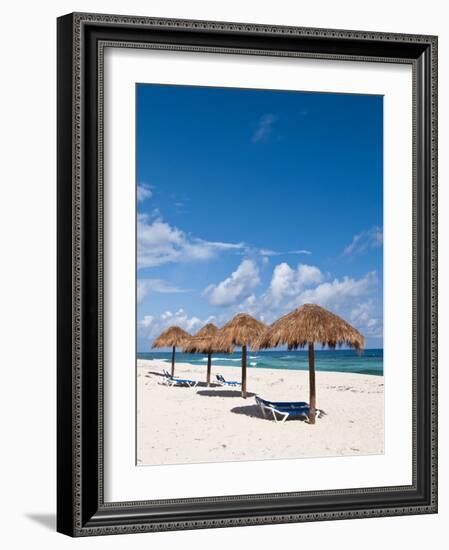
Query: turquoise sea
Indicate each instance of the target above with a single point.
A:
(369, 362)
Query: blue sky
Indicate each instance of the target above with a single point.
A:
(257, 201)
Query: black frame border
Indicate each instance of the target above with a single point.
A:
(81, 510)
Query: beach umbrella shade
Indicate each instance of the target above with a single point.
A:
(242, 330)
(304, 326)
(171, 338)
(202, 342)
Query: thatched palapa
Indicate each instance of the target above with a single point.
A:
(203, 342)
(206, 342)
(242, 330)
(207, 331)
(171, 338)
(306, 325)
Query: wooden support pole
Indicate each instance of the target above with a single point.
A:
(244, 372)
(209, 365)
(173, 361)
(312, 390)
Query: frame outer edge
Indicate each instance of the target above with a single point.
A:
(69, 521)
(434, 272)
(259, 28)
(65, 271)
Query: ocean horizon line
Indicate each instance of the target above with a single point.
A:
(342, 360)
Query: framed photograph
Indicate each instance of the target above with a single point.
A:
(247, 276)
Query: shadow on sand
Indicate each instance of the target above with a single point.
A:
(154, 373)
(199, 384)
(224, 393)
(252, 411)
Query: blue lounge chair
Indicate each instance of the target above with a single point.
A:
(286, 409)
(171, 381)
(224, 382)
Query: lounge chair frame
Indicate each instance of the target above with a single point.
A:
(282, 410)
(169, 380)
(222, 382)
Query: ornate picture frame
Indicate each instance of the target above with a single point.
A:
(81, 507)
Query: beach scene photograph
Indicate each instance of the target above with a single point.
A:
(259, 275)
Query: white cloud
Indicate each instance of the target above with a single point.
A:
(235, 288)
(145, 286)
(289, 282)
(144, 191)
(308, 274)
(367, 318)
(372, 238)
(268, 252)
(151, 326)
(281, 280)
(181, 319)
(251, 300)
(264, 128)
(159, 243)
(302, 251)
(339, 292)
(147, 321)
(356, 300)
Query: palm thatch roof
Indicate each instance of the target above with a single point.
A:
(173, 336)
(198, 344)
(203, 342)
(239, 331)
(208, 330)
(308, 324)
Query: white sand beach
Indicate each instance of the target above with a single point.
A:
(177, 425)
